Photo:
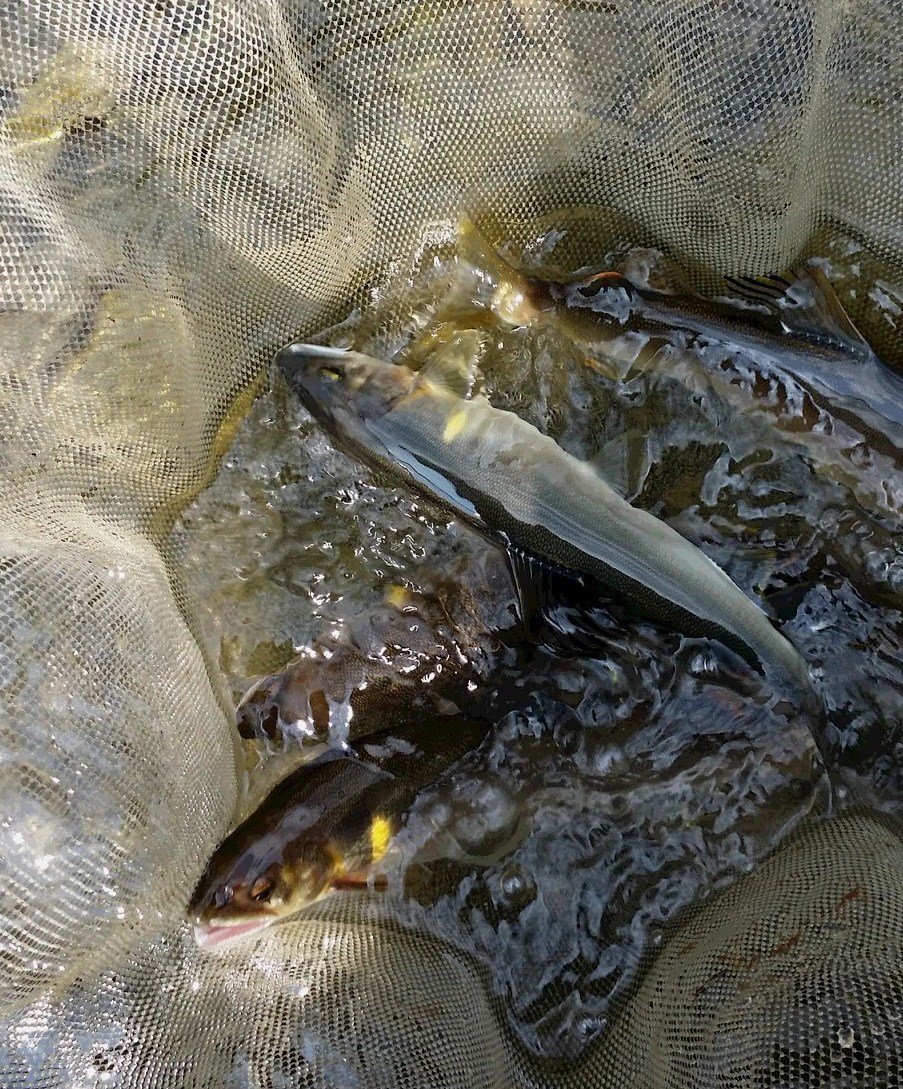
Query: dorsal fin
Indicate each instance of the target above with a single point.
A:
(806, 306)
(760, 291)
(454, 361)
(622, 463)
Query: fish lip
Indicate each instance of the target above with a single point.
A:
(295, 357)
(212, 936)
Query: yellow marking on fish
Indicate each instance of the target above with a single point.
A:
(380, 834)
(336, 855)
(454, 425)
(397, 596)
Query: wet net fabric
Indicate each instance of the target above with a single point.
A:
(790, 979)
(183, 188)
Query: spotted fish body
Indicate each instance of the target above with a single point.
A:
(522, 490)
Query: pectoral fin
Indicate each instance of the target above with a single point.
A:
(452, 358)
(559, 609)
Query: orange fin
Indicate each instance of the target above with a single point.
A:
(592, 285)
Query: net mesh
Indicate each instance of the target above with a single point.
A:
(761, 987)
(185, 186)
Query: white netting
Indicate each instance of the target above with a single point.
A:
(183, 187)
(789, 979)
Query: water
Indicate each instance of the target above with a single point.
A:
(615, 791)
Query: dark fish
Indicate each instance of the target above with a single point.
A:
(417, 655)
(814, 342)
(322, 828)
(797, 326)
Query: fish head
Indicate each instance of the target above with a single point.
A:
(340, 388)
(241, 892)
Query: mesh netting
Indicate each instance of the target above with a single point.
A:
(183, 187)
(785, 980)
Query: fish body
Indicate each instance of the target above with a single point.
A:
(798, 328)
(523, 491)
(322, 828)
(820, 348)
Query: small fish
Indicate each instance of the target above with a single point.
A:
(559, 520)
(322, 828)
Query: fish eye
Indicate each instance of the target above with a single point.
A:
(261, 888)
(223, 896)
(331, 373)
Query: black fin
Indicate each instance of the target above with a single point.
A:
(560, 609)
(807, 306)
(760, 290)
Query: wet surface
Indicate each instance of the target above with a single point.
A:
(612, 791)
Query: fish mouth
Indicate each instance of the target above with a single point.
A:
(218, 935)
(298, 358)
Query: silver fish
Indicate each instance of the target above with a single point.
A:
(524, 492)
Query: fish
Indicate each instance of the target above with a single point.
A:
(559, 521)
(795, 325)
(416, 654)
(814, 341)
(323, 828)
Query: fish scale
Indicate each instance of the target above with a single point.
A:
(519, 488)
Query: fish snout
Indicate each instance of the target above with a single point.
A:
(307, 361)
(208, 899)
